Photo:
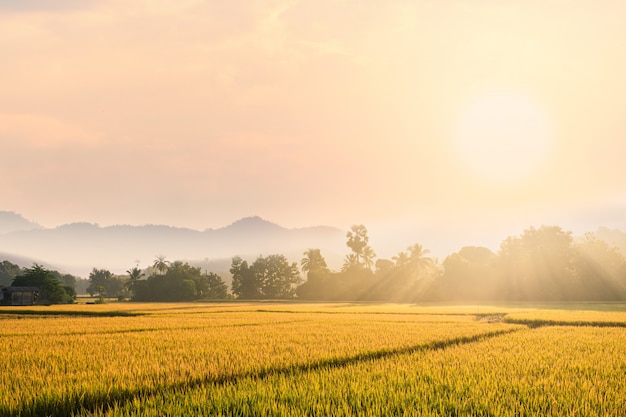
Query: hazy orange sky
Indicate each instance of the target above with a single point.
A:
(443, 120)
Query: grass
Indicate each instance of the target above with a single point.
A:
(124, 359)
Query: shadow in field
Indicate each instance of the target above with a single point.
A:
(64, 405)
(64, 313)
(535, 323)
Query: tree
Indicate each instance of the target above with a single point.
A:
(67, 280)
(313, 261)
(368, 256)
(468, 275)
(8, 272)
(160, 264)
(401, 259)
(357, 240)
(216, 288)
(134, 275)
(599, 269)
(406, 279)
(418, 261)
(351, 261)
(277, 277)
(51, 289)
(244, 284)
(384, 266)
(111, 285)
(538, 265)
(267, 277)
(181, 282)
(317, 273)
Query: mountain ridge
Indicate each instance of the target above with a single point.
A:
(81, 246)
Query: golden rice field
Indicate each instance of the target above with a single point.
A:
(289, 359)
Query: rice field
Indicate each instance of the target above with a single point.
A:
(289, 359)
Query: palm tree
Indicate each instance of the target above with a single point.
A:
(313, 261)
(418, 259)
(357, 240)
(368, 256)
(160, 264)
(401, 259)
(350, 261)
(417, 253)
(134, 275)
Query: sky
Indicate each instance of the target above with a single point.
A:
(440, 122)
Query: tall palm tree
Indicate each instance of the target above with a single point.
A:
(160, 264)
(134, 274)
(357, 240)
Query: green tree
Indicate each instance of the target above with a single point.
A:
(111, 285)
(181, 282)
(216, 288)
(8, 272)
(51, 289)
(244, 284)
(267, 277)
(67, 280)
(134, 275)
(277, 278)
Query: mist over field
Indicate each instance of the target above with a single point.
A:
(256, 259)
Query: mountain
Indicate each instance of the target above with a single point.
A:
(79, 247)
(24, 261)
(12, 222)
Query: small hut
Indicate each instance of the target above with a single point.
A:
(19, 296)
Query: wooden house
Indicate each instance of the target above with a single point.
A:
(19, 296)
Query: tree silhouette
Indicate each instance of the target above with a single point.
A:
(160, 264)
(134, 274)
(368, 256)
(357, 240)
(313, 261)
(401, 259)
(349, 262)
(417, 257)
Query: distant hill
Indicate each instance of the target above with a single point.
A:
(23, 261)
(12, 222)
(78, 247)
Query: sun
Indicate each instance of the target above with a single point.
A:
(503, 137)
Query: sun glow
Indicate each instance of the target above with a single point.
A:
(503, 137)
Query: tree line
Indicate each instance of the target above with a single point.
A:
(541, 264)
